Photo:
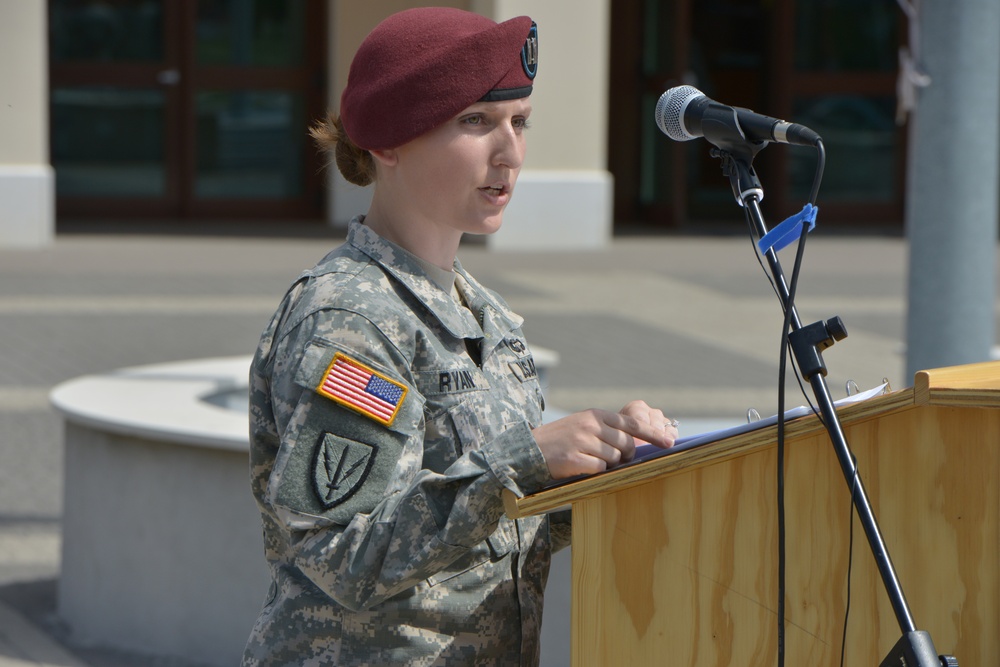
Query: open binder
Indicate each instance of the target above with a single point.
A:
(646, 452)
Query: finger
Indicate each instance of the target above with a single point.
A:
(596, 457)
(670, 431)
(657, 420)
(613, 447)
(653, 433)
(641, 411)
(613, 433)
(582, 463)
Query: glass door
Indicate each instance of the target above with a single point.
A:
(718, 46)
(256, 86)
(114, 105)
(841, 81)
(186, 108)
(829, 65)
(649, 40)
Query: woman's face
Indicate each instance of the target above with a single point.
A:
(460, 176)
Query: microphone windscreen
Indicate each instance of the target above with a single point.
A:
(670, 111)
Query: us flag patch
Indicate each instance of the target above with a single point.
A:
(363, 389)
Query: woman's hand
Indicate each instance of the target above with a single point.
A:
(595, 440)
(654, 417)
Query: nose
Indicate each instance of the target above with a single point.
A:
(509, 146)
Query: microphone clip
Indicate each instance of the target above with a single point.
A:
(742, 177)
(721, 127)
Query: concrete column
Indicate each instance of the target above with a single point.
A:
(952, 185)
(565, 194)
(27, 183)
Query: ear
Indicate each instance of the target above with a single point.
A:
(387, 157)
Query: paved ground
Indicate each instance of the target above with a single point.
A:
(689, 323)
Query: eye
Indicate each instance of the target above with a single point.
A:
(473, 120)
(521, 123)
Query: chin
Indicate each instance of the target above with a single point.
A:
(485, 227)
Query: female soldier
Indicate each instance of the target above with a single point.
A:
(394, 398)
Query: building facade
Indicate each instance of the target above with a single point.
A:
(193, 110)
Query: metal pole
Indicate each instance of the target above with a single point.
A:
(952, 184)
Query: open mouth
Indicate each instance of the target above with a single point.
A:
(495, 191)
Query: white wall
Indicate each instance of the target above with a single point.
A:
(27, 194)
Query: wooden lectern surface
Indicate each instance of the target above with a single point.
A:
(675, 559)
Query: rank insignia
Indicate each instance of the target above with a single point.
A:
(365, 390)
(517, 345)
(340, 468)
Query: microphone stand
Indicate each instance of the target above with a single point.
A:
(914, 648)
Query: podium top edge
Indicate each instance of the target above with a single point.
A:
(970, 384)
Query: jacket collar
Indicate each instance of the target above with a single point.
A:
(490, 317)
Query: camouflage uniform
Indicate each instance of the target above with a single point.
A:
(384, 527)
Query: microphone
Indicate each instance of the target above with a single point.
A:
(684, 113)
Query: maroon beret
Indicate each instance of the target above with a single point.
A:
(422, 66)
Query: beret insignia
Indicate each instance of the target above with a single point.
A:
(529, 52)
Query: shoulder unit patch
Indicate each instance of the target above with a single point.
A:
(354, 385)
(340, 468)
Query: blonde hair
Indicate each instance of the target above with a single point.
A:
(354, 163)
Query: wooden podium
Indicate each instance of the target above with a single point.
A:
(675, 558)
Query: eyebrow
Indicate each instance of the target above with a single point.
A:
(493, 106)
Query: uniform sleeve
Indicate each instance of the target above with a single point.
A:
(561, 529)
(365, 519)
